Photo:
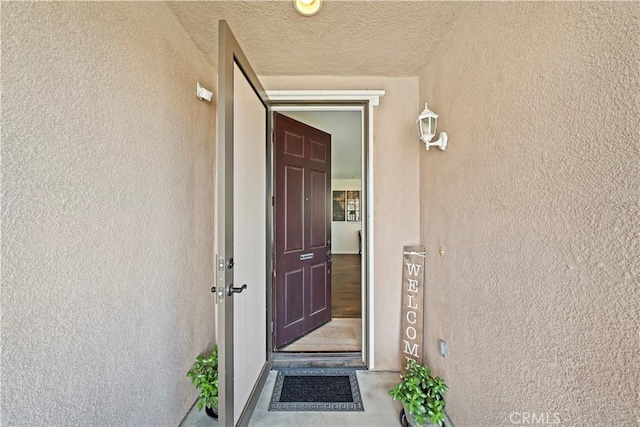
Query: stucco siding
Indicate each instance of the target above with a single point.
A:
(536, 203)
(107, 214)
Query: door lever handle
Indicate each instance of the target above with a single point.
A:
(233, 290)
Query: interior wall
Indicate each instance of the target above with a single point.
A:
(344, 234)
(536, 205)
(107, 214)
(396, 193)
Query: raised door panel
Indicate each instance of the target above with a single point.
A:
(293, 215)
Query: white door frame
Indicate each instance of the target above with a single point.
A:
(348, 100)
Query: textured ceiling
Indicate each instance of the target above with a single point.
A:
(385, 38)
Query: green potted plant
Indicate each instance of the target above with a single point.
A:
(204, 375)
(421, 395)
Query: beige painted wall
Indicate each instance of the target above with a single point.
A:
(107, 214)
(536, 203)
(396, 198)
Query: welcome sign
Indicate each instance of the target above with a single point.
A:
(412, 303)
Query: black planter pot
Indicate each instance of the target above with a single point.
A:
(212, 412)
(403, 419)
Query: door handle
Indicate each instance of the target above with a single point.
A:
(233, 290)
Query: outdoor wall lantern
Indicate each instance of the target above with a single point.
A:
(427, 123)
(307, 7)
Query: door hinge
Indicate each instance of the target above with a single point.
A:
(273, 200)
(272, 327)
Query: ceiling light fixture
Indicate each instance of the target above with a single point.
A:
(307, 7)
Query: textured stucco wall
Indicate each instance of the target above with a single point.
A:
(536, 203)
(396, 193)
(107, 214)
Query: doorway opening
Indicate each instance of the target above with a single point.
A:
(342, 333)
(360, 103)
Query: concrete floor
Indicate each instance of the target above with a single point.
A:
(379, 408)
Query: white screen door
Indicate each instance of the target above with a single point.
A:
(243, 236)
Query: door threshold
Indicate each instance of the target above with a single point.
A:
(319, 360)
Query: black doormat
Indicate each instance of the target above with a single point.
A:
(316, 390)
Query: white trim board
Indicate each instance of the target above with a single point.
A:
(373, 96)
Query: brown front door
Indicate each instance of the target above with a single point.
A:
(302, 293)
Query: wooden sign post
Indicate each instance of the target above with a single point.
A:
(412, 304)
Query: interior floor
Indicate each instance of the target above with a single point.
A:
(340, 334)
(344, 331)
(346, 285)
(379, 408)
